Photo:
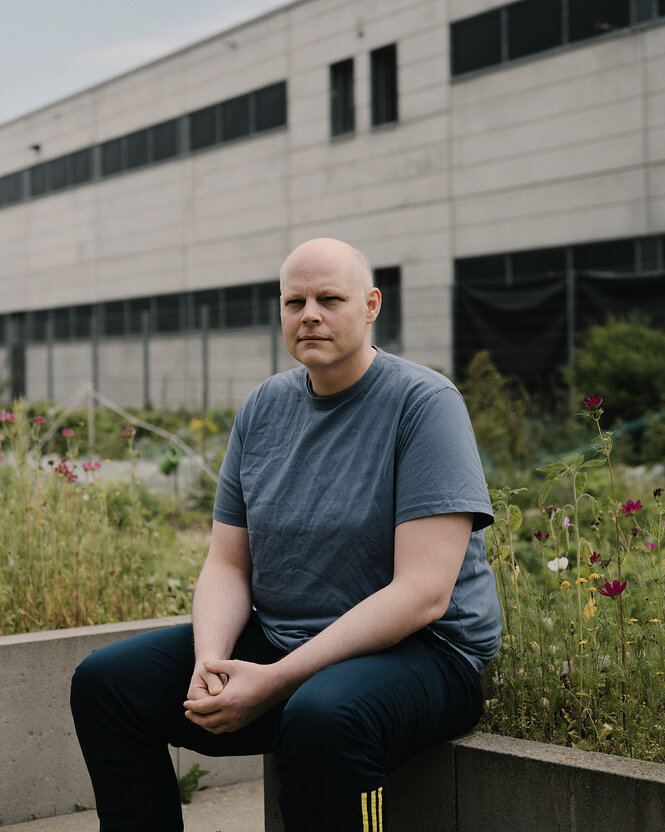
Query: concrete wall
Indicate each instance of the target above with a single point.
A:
(487, 783)
(43, 772)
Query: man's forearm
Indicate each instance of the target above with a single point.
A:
(221, 608)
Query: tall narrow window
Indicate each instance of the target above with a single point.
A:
(342, 106)
(58, 173)
(384, 85)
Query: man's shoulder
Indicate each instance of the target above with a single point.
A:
(282, 385)
(407, 375)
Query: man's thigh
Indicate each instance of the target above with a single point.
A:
(396, 702)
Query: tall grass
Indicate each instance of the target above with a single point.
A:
(581, 584)
(74, 551)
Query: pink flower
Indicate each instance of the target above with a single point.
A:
(129, 432)
(566, 522)
(614, 588)
(92, 466)
(68, 432)
(40, 420)
(629, 507)
(593, 401)
(7, 416)
(594, 557)
(541, 535)
(650, 546)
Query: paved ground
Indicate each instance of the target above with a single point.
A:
(237, 808)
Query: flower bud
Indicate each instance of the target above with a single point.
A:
(544, 703)
(547, 624)
(535, 647)
(552, 649)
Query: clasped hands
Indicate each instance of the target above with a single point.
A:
(225, 695)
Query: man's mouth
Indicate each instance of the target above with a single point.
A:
(313, 338)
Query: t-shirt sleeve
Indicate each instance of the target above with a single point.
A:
(438, 467)
(229, 504)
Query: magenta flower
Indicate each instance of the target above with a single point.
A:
(594, 557)
(611, 589)
(129, 432)
(7, 416)
(541, 535)
(40, 420)
(68, 432)
(629, 507)
(593, 401)
(650, 546)
(91, 465)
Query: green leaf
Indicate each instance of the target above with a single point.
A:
(594, 463)
(553, 466)
(580, 482)
(514, 517)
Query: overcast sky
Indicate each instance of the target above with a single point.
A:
(51, 48)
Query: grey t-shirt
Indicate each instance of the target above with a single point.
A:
(321, 482)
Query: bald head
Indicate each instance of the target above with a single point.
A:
(326, 252)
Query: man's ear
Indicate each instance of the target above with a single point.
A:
(373, 304)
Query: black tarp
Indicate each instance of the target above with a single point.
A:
(528, 326)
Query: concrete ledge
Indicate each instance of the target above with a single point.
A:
(43, 773)
(488, 783)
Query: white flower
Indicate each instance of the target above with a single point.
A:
(557, 563)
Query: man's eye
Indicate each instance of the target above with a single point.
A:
(294, 302)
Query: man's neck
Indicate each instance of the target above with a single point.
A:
(327, 381)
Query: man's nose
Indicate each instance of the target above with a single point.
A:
(311, 312)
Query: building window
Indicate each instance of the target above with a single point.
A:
(203, 128)
(164, 140)
(476, 42)
(114, 317)
(534, 26)
(384, 85)
(388, 326)
(11, 188)
(592, 18)
(111, 157)
(490, 268)
(137, 149)
(167, 313)
(137, 309)
(207, 299)
(235, 118)
(270, 107)
(342, 106)
(58, 170)
(81, 166)
(238, 307)
(38, 180)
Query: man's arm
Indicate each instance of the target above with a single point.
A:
(428, 555)
(222, 604)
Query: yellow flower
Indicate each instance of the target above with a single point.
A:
(581, 581)
(564, 585)
(632, 620)
(594, 576)
(591, 589)
(654, 621)
(583, 642)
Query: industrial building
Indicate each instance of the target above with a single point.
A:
(501, 165)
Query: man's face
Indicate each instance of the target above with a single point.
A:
(325, 312)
